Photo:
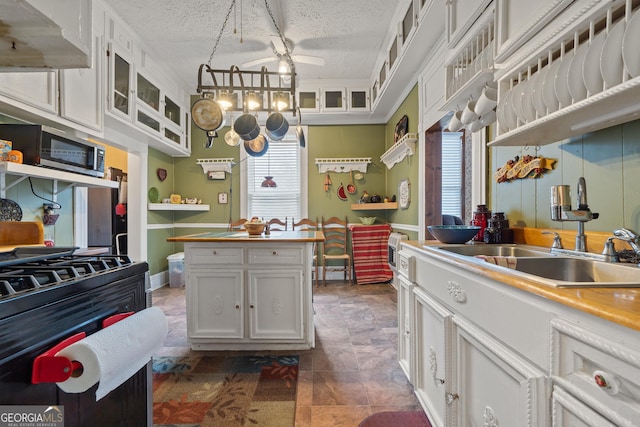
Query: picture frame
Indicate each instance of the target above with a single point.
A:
(404, 194)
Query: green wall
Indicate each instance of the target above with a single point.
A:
(609, 160)
(408, 168)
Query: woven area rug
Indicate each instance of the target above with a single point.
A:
(400, 419)
(225, 391)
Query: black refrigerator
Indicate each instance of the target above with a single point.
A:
(107, 215)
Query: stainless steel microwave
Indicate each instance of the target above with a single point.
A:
(48, 147)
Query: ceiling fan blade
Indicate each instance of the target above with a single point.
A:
(313, 60)
(258, 62)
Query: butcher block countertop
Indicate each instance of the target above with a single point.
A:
(243, 236)
(618, 305)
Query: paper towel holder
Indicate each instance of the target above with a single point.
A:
(49, 368)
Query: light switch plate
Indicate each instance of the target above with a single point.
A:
(223, 198)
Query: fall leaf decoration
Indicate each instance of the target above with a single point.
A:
(524, 167)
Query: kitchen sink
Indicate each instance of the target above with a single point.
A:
(568, 271)
(511, 250)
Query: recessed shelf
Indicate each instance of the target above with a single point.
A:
(177, 207)
(373, 206)
(405, 146)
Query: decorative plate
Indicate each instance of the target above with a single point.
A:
(10, 210)
(404, 191)
(154, 196)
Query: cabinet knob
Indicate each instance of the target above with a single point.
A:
(215, 252)
(274, 253)
(606, 382)
(237, 306)
(451, 397)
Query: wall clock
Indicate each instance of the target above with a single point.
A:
(404, 190)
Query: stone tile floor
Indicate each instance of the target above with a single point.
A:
(351, 373)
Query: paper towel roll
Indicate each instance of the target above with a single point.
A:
(113, 354)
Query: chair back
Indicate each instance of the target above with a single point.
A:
(276, 224)
(305, 224)
(238, 224)
(335, 235)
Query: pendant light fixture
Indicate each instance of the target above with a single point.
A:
(268, 180)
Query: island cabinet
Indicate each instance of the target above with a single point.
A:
(249, 295)
(488, 353)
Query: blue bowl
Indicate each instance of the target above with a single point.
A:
(453, 233)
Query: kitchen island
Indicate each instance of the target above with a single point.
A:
(249, 292)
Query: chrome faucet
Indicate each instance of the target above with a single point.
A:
(625, 235)
(561, 210)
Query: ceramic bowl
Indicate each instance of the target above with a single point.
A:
(367, 220)
(453, 233)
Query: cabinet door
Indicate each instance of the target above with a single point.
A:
(276, 304)
(492, 386)
(358, 100)
(216, 302)
(333, 100)
(308, 100)
(405, 329)
(432, 330)
(121, 84)
(81, 92)
(38, 89)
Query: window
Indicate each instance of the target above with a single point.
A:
(286, 162)
(452, 173)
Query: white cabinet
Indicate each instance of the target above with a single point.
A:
(37, 89)
(334, 100)
(81, 92)
(405, 318)
(248, 297)
(473, 364)
(432, 324)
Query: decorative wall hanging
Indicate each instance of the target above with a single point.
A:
(524, 167)
(404, 190)
(402, 127)
(162, 174)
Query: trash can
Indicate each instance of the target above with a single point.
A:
(176, 270)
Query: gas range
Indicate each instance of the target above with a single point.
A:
(32, 276)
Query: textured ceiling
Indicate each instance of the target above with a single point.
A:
(348, 34)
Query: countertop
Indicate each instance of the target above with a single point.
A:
(243, 236)
(618, 305)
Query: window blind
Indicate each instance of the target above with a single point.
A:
(282, 162)
(452, 173)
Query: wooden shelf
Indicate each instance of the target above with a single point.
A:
(177, 207)
(373, 206)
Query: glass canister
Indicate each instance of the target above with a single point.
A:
(481, 218)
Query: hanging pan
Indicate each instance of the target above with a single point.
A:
(231, 137)
(207, 114)
(299, 130)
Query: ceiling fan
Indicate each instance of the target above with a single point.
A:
(280, 51)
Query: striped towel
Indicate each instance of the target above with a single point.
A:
(370, 253)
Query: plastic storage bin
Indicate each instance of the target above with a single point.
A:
(176, 270)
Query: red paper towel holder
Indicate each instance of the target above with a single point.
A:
(49, 368)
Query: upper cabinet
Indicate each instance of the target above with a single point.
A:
(353, 98)
(141, 96)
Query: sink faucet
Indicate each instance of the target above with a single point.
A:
(625, 235)
(561, 211)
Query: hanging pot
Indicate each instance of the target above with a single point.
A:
(277, 126)
(300, 131)
(257, 147)
(231, 137)
(207, 114)
(247, 127)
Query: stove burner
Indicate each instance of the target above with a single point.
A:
(18, 279)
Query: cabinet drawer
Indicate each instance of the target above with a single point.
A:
(280, 256)
(216, 256)
(493, 306)
(570, 412)
(605, 374)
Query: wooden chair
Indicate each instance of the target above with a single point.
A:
(335, 247)
(276, 224)
(237, 224)
(306, 224)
